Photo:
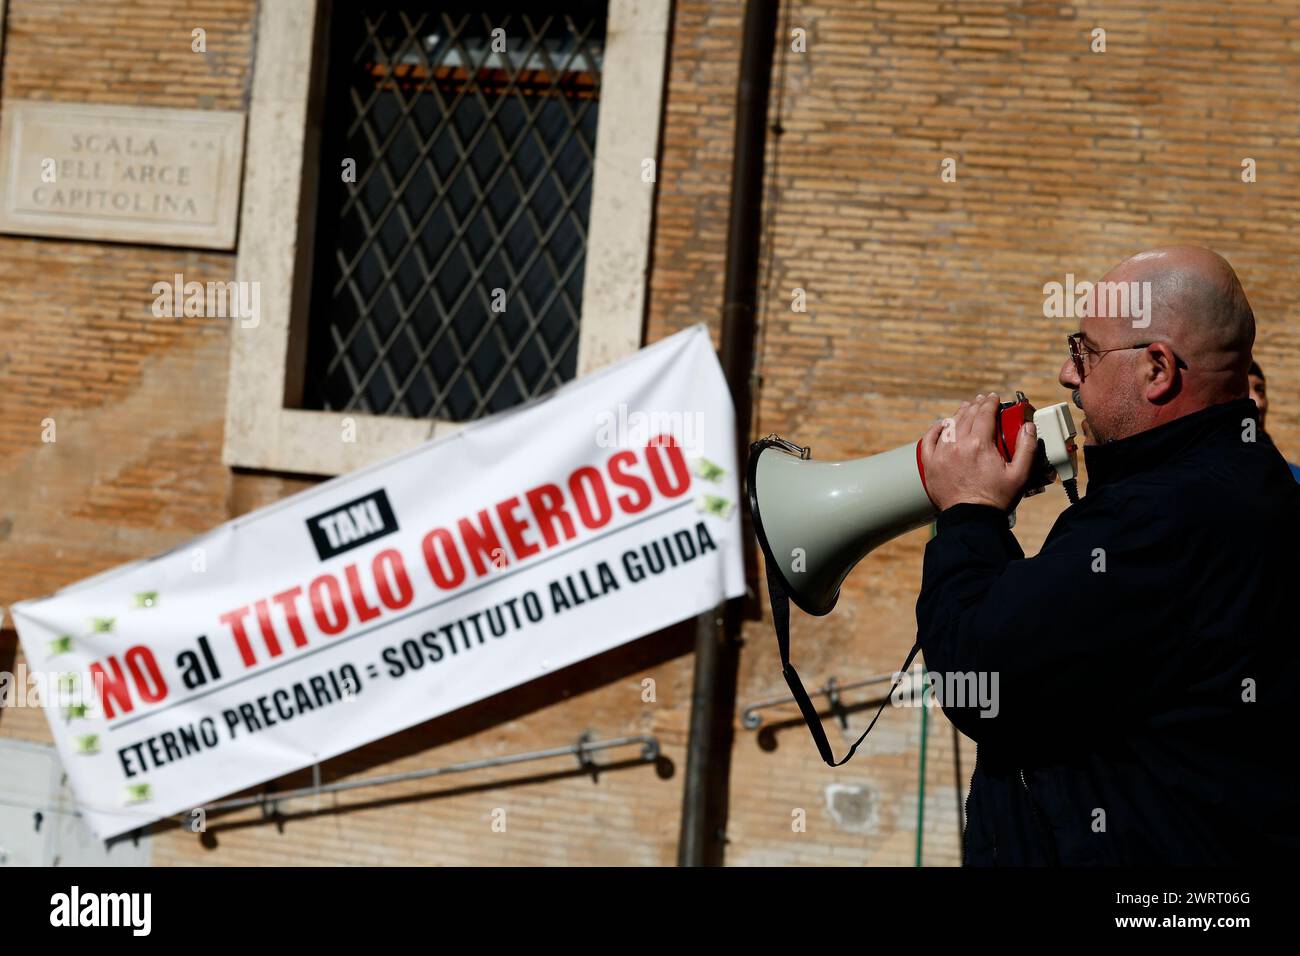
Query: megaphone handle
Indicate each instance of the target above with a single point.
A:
(781, 624)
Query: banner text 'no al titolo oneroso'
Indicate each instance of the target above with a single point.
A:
(522, 544)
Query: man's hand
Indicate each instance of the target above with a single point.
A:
(962, 463)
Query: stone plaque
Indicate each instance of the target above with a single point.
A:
(121, 173)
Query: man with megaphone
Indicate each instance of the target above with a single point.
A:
(1147, 655)
(1145, 660)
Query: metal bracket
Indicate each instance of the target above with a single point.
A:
(269, 806)
(585, 759)
(837, 705)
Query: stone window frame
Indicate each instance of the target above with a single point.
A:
(277, 229)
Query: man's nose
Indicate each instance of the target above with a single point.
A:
(1069, 377)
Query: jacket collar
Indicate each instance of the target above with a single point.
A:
(1155, 446)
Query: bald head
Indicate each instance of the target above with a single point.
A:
(1197, 305)
(1170, 332)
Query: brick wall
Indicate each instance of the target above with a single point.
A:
(139, 408)
(137, 404)
(919, 293)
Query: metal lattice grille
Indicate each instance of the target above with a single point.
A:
(448, 278)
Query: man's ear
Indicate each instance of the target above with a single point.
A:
(1160, 372)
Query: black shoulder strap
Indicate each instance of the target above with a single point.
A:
(781, 622)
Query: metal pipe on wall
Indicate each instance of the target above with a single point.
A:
(717, 634)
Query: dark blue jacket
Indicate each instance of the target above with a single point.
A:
(1146, 657)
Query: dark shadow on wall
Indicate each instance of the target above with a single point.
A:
(767, 735)
(210, 838)
(634, 659)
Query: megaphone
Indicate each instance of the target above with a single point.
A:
(816, 520)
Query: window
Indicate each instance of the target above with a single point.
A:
(448, 278)
(491, 243)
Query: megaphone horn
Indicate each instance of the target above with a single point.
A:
(816, 520)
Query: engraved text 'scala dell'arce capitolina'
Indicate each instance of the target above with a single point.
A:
(120, 173)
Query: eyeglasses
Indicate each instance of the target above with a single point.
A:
(1078, 349)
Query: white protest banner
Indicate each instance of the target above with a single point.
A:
(528, 541)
